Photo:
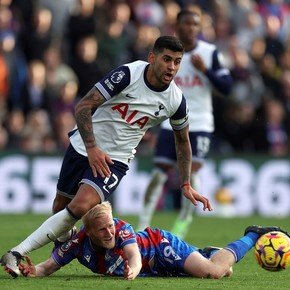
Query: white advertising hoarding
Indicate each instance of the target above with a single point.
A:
(28, 184)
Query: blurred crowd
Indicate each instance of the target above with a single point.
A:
(53, 51)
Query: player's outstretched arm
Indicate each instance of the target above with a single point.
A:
(184, 162)
(133, 264)
(98, 159)
(42, 269)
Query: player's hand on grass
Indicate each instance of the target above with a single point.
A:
(28, 269)
(194, 197)
(99, 162)
(128, 271)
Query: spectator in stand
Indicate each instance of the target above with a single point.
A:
(34, 94)
(235, 134)
(171, 9)
(145, 36)
(36, 132)
(4, 138)
(63, 123)
(4, 81)
(248, 83)
(274, 44)
(6, 19)
(248, 28)
(121, 12)
(22, 11)
(277, 8)
(38, 38)
(60, 12)
(67, 99)
(14, 124)
(113, 49)
(16, 68)
(57, 72)
(149, 12)
(80, 23)
(272, 134)
(285, 90)
(85, 63)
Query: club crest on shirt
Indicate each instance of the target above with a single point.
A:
(65, 247)
(160, 107)
(125, 234)
(117, 76)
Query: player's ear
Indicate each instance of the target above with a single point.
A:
(151, 57)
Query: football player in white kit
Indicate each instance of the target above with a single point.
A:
(111, 120)
(200, 72)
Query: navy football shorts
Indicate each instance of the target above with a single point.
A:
(165, 148)
(76, 170)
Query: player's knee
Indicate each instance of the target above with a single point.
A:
(59, 203)
(78, 210)
(56, 207)
(85, 199)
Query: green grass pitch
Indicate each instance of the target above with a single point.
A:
(204, 231)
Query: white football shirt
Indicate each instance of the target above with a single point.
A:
(197, 88)
(132, 106)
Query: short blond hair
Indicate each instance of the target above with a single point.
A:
(95, 212)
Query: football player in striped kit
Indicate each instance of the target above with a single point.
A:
(109, 246)
(111, 120)
(201, 71)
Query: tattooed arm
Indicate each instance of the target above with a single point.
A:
(184, 161)
(98, 159)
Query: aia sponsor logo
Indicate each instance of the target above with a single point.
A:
(131, 117)
(187, 81)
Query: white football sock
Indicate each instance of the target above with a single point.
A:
(152, 195)
(50, 230)
(186, 206)
(67, 235)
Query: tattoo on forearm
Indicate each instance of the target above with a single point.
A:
(83, 114)
(183, 152)
(184, 162)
